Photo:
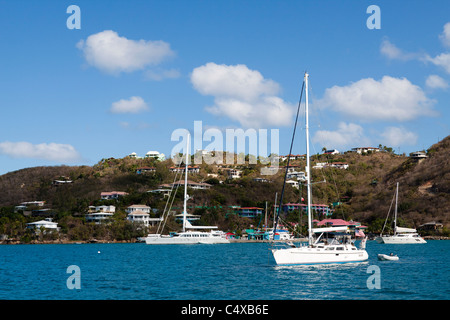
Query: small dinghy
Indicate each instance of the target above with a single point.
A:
(385, 257)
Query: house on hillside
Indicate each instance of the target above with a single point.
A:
(109, 209)
(361, 150)
(331, 151)
(249, 212)
(191, 169)
(431, 226)
(138, 207)
(112, 195)
(46, 224)
(321, 209)
(233, 173)
(99, 214)
(142, 170)
(155, 155)
(292, 157)
(293, 183)
(418, 155)
(165, 191)
(190, 184)
(338, 165)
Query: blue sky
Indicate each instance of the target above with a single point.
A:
(138, 70)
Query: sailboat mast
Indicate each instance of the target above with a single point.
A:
(185, 182)
(308, 176)
(395, 215)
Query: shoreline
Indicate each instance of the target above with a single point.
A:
(95, 241)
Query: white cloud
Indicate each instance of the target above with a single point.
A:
(435, 82)
(46, 151)
(133, 105)
(442, 60)
(242, 94)
(232, 81)
(392, 52)
(391, 99)
(345, 136)
(394, 136)
(445, 35)
(113, 54)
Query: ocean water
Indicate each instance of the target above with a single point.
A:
(236, 271)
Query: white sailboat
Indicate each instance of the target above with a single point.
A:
(188, 235)
(401, 235)
(320, 251)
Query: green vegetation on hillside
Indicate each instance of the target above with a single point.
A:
(363, 192)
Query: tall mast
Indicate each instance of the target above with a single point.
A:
(185, 182)
(395, 215)
(308, 176)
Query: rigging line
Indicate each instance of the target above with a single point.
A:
(288, 160)
(170, 194)
(170, 207)
(385, 221)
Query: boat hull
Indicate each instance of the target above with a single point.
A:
(400, 240)
(185, 240)
(385, 257)
(312, 256)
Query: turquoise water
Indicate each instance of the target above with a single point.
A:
(216, 272)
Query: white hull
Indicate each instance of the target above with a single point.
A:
(401, 239)
(315, 255)
(186, 238)
(385, 257)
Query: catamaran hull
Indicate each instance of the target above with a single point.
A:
(312, 256)
(179, 240)
(400, 240)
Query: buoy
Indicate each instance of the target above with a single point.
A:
(99, 251)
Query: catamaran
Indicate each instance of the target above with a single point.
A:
(340, 249)
(401, 235)
(188, 235)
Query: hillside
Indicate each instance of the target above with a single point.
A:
(364, 190)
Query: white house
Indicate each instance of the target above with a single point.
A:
(338, 165)
(138, 207)
(191, 169)
(98, 217)
(293, 183)
(46, 224)
(361, 150)
(331, 151)
(299, 175)
(192, 184)
(109, 209)
(139, 216)
(233, 173)
(155, 155)
(320, 165)
(33, 203)
(418, 155)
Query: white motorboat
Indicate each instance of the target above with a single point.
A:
(321, 251)
(401, 235)
(387, 257)
(212, 236)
